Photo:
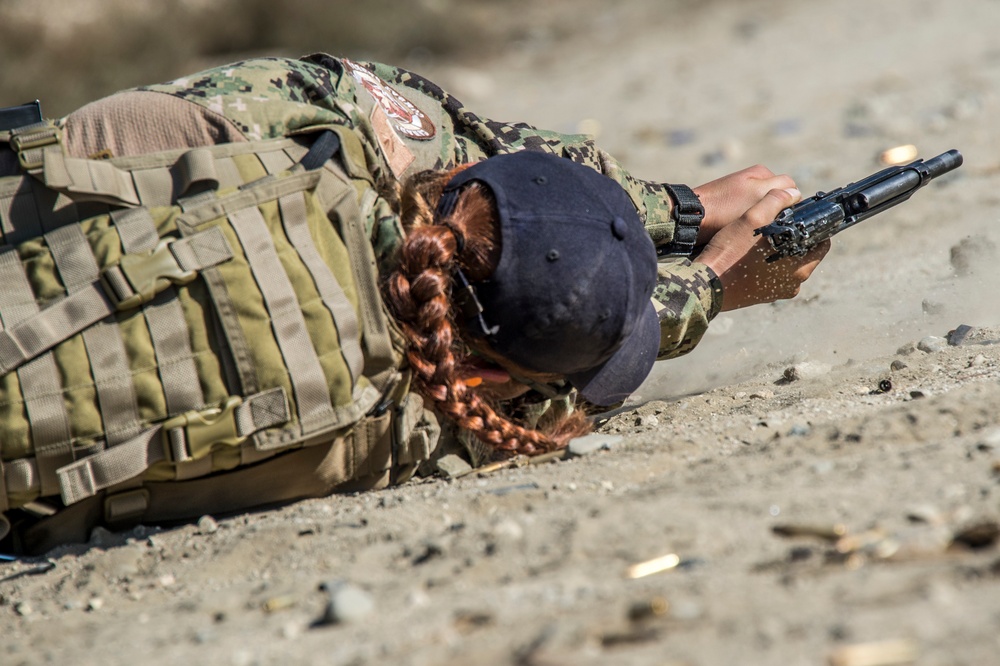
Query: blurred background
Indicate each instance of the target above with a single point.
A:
(69, 52)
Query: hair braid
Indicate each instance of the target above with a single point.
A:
(419, 293)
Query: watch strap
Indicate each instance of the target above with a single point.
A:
(688, 214)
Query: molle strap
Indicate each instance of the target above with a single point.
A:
(196, 172)
(381, 362)
(312, 394)
(41, 389)
(56, 323)
(118, 289)
(295, 219)
(105, 348)
(88, 180)
(165, 318)
(188, 437)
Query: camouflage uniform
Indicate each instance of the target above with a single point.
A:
(407, 124)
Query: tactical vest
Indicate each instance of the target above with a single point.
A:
(190, 332)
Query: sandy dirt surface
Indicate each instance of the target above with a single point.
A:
(829, 492)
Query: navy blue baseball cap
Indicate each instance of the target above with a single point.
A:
(571, 293)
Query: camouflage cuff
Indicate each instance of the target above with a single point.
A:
(685, 303)
(715, 284)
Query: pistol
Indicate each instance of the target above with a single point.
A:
(813, 220)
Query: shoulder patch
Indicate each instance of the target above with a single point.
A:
(408, 120)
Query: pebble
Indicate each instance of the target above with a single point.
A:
(907, 349)
(806, 370)
(207, 525)
(961, 333)
(925, 513)
(932, 344)
(508, 529)
(347, 603)
(898, 365)
(592, 443)
(681, 137)
(977, 361)
(23, 608)
(762, 395)
(102, 537)
(991, 440)
(648, 420)
(451, 465)
(95, 604)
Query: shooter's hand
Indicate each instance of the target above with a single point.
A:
(739, 258)
(726, 199)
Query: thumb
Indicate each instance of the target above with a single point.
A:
(764, 211)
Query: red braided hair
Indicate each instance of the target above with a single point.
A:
(419, 291)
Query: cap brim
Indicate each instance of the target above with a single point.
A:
(627, 368)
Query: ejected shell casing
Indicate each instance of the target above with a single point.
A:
(654, 566)
(825, 532)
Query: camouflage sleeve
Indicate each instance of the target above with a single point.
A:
(685, 303)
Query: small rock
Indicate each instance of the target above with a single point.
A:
(977, 361)
(979, 535)
(898, 365)
(23, 608)
(762, 395)
(991, 440)
(907, 349)
(102, 537)
(95, 604)
(451, 465)
(347, 603)
(806, 370)
(798, 430)
(681, 137)
(925, 513)
(648, 420)
(958, 336)
(588, 444)
(932, 344)
(207, 525)
(508, 529)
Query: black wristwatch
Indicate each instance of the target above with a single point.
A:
(688, 214)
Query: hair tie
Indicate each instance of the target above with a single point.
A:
(459, 237)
